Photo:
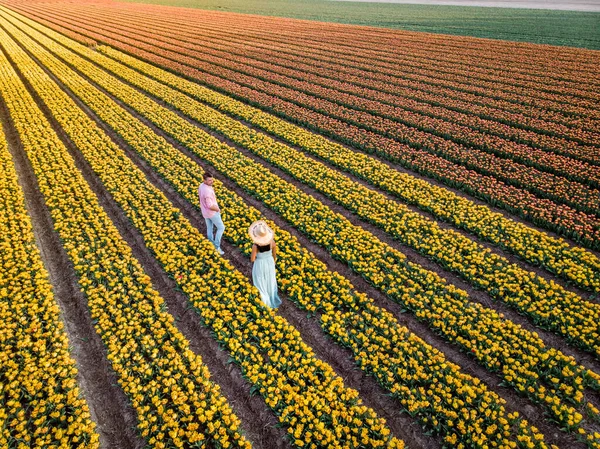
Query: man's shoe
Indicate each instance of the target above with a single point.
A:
(220, 251)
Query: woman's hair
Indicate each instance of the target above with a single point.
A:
(207, 175)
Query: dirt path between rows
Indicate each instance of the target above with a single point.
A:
(259, 424)
(315, 336)
(115, 418)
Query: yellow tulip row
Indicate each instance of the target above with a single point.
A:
(315, 288)
(574, 264)
(577, 265)
(186, 131)
(309, 398)
(151, 358)
(497, 343)
(40, 401)
(547, 303)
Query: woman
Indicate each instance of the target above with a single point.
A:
(264, 255)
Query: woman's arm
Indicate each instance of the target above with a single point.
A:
(274, 250)
(253, 254)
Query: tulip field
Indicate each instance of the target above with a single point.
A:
(435, 202)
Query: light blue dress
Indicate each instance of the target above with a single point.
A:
(263, 277)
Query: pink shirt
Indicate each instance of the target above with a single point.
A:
(207, 200)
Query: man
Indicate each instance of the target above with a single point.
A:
(210, 211)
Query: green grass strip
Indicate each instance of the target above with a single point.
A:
(542, 26)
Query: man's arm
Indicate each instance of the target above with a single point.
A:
(209, 199)
(212, 201)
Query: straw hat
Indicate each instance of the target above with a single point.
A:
(260, 233)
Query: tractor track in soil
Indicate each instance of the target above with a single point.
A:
(515, 402)
(115, 418)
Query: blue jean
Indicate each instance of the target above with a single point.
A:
(215, 221)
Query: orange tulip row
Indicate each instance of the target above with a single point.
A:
(510, 62)
(448, 304)
(501, 75)
(580, 226)
(446, 140)
(321, 52)
(382, 98)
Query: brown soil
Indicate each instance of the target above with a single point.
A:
(258, 422)
(109, 407)
(317, 339)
